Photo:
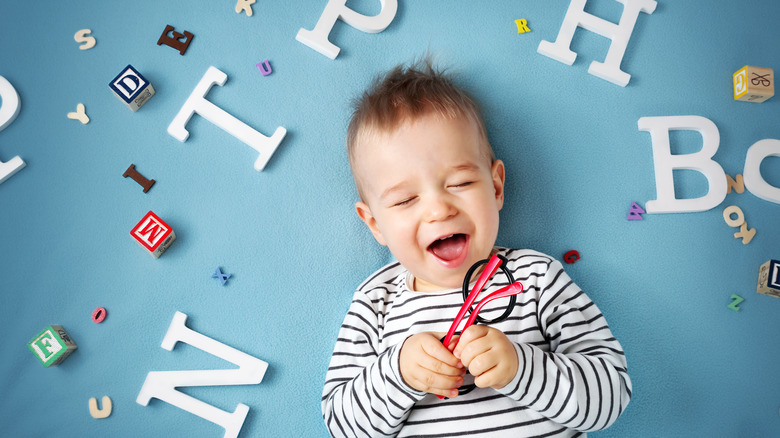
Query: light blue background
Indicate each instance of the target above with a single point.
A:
(288, 235)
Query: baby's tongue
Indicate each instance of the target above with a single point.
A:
(450, 248)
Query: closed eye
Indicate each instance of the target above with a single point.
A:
(463, 184)
(404, 202)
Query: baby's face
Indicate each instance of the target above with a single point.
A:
(432, 197)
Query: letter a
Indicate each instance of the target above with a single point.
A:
(197, 103)
(608, 70)
(162, 384)
(665, 163)
(9, 109)
(317, 38)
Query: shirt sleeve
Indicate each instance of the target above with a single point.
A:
(582, 381)
(364, 394)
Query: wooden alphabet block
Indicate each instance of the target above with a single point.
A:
(769, 279)
(153, 234)
(52, 345)
(754, 84)
(132, 88)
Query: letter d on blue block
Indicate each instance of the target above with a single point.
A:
(132, 88)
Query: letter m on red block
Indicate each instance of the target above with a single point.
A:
(151, 231)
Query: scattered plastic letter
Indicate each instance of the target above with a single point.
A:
(317, 38)
(100, 413)
(738, 183)
(245, 6)
(737, 221)
(162, 384)
(178, 41)
(619, 34)
(80, 114)
(265, 67)
(99, 315)
(137, 177)
(636, 212)
(9, 109)
(665, 163)
(223, 278)
(752, 173)
(522, 26)
(736, 301)
(744, 232)
(197, 103)
(81, 37)
(571, 256)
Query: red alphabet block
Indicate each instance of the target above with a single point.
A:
(153, 234)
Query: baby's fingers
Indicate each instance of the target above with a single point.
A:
(489, 379)
(472, 334)
(435, 349)
(438, 367)
(494, 368)
(445, 386)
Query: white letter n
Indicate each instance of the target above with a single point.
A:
(619, 34)
(162, 384)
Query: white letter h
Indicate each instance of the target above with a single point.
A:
(619, 34)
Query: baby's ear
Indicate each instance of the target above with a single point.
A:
(364, 212)
(498, 173)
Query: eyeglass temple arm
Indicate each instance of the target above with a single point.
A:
(488, 272)
(515, 288)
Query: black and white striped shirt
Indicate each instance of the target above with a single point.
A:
(571, 379)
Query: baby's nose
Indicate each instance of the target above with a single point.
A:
(439, 208)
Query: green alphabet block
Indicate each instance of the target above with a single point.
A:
(52, 345)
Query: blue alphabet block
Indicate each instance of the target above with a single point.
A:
(132, 88)
(769, 279)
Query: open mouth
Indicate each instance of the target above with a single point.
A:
(450, 249)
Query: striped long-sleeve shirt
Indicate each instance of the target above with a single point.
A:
(571, 377)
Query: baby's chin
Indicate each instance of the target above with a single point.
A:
(423, 285)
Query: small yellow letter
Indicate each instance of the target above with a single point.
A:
(522, 26)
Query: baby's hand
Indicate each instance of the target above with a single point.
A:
(426, 365)
(489, 355)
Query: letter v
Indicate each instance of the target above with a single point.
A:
(162, 384)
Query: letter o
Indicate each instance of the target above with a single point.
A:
(733, 209)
